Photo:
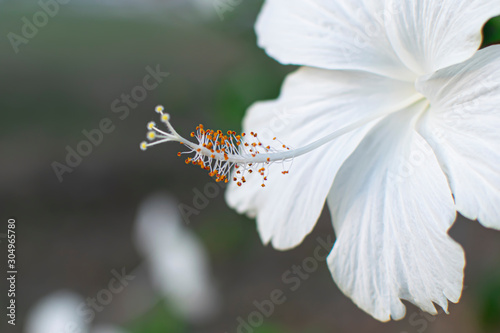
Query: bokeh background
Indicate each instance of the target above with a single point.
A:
(72, 234)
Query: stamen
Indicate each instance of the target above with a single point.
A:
(218, 152)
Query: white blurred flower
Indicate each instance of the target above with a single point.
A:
(57, 313)
(177, 260)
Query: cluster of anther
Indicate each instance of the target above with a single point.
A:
(217, 152)
(217, 144)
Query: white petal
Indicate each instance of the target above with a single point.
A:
(57, 313)
(391, 208)
(429, 35)
(330, 35)
(463, 128)
(177, 260)
(313, 104)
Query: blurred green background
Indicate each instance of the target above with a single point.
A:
(72, 233)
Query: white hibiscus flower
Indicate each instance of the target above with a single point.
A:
(395, 118)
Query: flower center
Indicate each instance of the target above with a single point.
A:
(218, 152)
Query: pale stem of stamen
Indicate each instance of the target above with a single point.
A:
(278, 156)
